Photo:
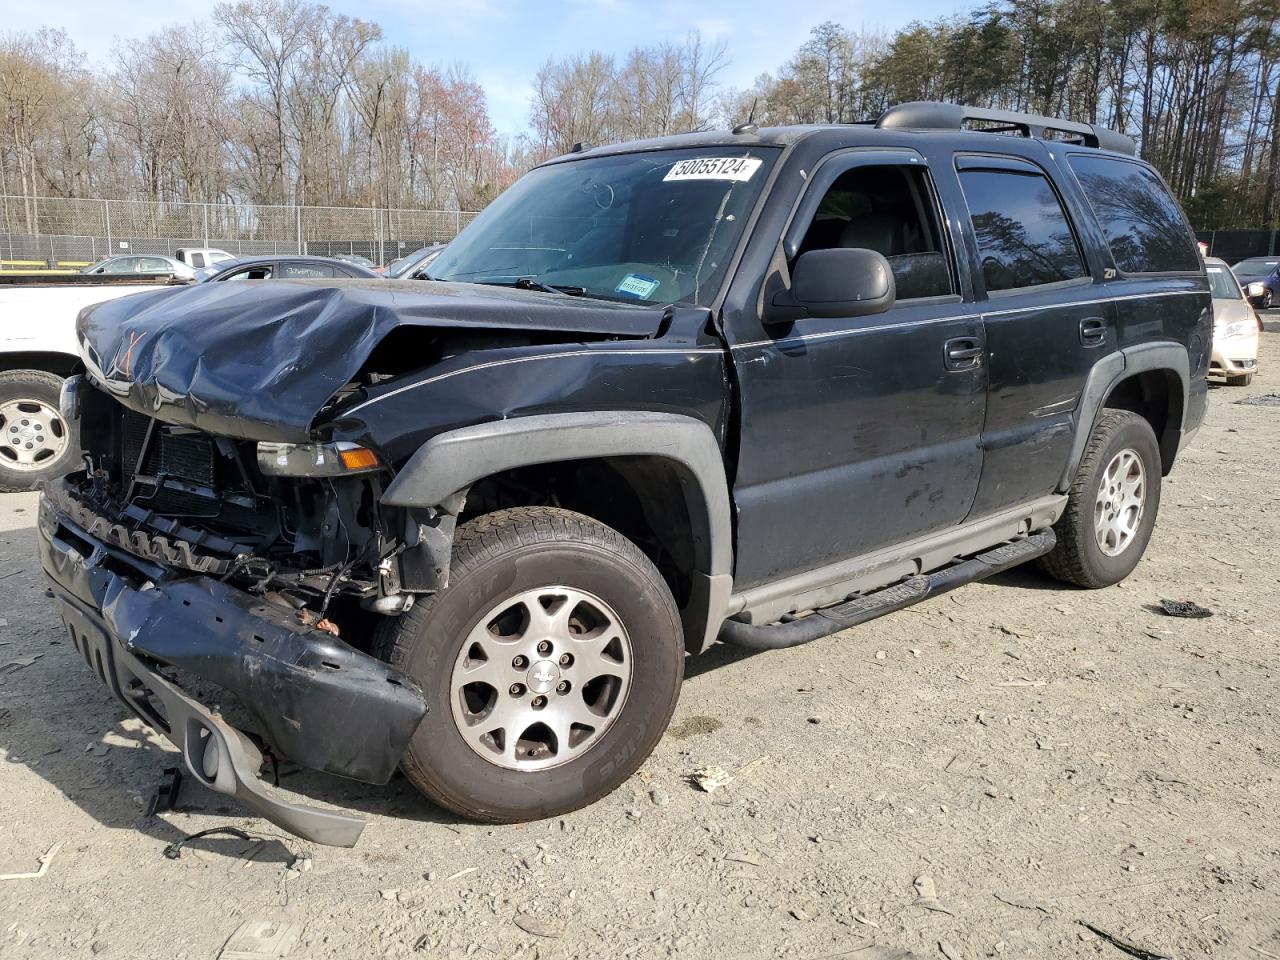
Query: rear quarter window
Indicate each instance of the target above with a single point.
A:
(1144, 225)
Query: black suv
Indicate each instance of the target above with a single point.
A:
(758, 385)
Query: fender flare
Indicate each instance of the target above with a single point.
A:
(1106, 374)
(447, 465)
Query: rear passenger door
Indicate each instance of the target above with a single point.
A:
(1045, 326)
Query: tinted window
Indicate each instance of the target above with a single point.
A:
(1024, 238)
(305, 270)
(1143, 224)
(260, 272)
(121, 265)
(891, 210)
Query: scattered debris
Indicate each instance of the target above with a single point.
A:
(927, 895)
(743, 858)
(1121, 944)
(1184, 608)
(389, 894)
(710, 779)
(1265, 953)
(948, 951)
(539, 928)
(13, 666)
(174, 850)
(1022, 682)
(44, 865)
(752, 764)
(659, 797)
(1022, 906)
(859, 918)
(166, 796)
(815, 720)
(462, 873)
(1262, 400)
(798, 914)
(261, 940)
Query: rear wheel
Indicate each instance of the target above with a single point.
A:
(1112, 504)
(36, 443)
(551, 666)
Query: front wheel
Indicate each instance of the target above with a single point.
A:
(1266, 300)
(36, 443)
(1112, 504)
(1241, 381)
(551, 666)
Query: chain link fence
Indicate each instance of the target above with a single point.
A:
(74, 230)
(1234, 245)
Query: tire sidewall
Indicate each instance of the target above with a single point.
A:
(45, 387)
(1135, 434)
(647, 612)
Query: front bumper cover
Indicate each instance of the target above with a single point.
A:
(313, 698)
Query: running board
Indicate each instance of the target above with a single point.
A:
(860, 609)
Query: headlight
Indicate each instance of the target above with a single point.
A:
(316, 459)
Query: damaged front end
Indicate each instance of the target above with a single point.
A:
(182, 559)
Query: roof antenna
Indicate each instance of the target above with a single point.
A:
(750, 125)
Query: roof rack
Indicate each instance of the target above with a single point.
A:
(930, 115)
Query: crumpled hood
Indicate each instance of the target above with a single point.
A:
(259, 359)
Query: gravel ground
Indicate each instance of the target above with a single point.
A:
(978, 776)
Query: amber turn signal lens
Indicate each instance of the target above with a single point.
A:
(358, 458)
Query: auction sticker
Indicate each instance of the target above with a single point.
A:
(634, 285)
(740, 169)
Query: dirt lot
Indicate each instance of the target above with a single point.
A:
(1042, 756)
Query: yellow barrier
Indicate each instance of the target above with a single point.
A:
(41, 264)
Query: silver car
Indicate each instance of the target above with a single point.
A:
(144, 264)
(1235, 327)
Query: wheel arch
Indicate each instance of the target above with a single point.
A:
(48, 361)
(658, 478)
(1152, 380)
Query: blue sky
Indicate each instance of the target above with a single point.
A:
(504, 41)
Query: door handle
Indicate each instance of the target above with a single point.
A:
(962, 353)
(1093, 331)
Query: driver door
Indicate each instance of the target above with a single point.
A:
(864, 432)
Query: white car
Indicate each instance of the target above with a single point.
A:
(200, 257)
(1235, 327)
(37, 351)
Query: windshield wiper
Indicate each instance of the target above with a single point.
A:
(533, 283)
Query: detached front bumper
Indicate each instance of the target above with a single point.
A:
(313, 698)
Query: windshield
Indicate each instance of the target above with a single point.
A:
(1254, 266)
(654, 227)
(1222, 285)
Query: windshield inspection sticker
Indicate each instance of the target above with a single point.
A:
(634, 285)
(740, 169)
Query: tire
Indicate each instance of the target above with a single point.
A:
(500, 560)
(1241, 381)
(29, 403)
(1080, 557)
(1266, 300)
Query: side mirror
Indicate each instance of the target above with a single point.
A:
(841, 282)
(1255, 290)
